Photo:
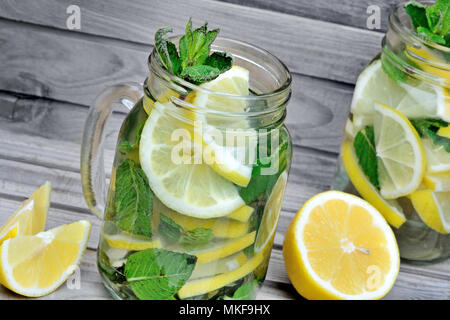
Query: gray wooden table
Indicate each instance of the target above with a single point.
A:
(49, 75)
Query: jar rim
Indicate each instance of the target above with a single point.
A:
(282, 89)
(407, 32)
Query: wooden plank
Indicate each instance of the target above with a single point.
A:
(310, 47)
(348, 12)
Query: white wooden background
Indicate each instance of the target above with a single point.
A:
(49, 75)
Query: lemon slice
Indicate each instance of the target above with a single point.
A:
(201, 286)
(31, 217)
(438, 160)
(338, 246)
(129, 242)
(374, 85)
(433, 208)
(444, 132)
(223, 249)
(272, 210)
(184, 186)
(390, 209)
(242, 214)
(229, 152)
(34, 266)
(438, 182)
(219, 266)
(400, 154)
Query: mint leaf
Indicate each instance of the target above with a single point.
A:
(246, 291)
(387, 59)
(417, 14)
(220, 60)
(157, 274)
(364, 144)
(200, 73)
(438, 16)
(126, 146)
(170, 229)
(133, 200)
(427, 35)
(427, 128)
(161, 45)
(196, 237)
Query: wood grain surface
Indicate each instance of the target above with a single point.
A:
(49, 76)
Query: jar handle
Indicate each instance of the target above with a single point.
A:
(92, 160)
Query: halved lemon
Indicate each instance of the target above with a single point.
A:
(433, 208)
(400, 154)
(130, 242)
(197, 287)
(31, 217)
(338, 246)
(36, 265)
(390, 209)
(438, 160)
(230, 145)
(438, 182)
(272, 210)
(179, 179)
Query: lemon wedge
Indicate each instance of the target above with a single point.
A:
(390, 209)
(400, 154)
(37, 265)
(31, 217)
(338, 246)
(433, 208)
(181, 183)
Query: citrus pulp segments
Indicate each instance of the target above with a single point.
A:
(184, 186)
(334, 243)
(37, 265)
(390, 209)
(400, 154)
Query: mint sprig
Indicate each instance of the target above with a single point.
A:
(364, 144)
(431, 23)
(193, 63)
(175, 233)
(133, 200)
(157, 274)
(428, 128)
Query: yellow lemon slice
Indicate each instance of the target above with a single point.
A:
(197, 287)
(204, 270)
(129, 242)
(433, 208)
(179, 181)
(272, 210)
(242, 214)
(37, 265)
(438, 160)
(31, 217)
(444, 132)
(390, 209)
(399, 150)
(438, 182)
(340, 247)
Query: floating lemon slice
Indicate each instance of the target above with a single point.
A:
(272, 210)
(340, 247)
(433, 208)
(201, 286)
(438, 182)
(129, 242)
(242, 214)
(234, 160)
(175, 175)
(31, 217)
(36, 265)
(400, 154)
(438, 160)
(219, 266)
(224, 249)
(390, 209)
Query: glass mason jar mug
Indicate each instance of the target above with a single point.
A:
(197, 181)
(395, 152)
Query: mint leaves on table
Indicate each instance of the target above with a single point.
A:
(190, 239)
(133, 200)
(158, 274)
(431, 23)
(193, 63)
(428, 128)
(364, 144)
